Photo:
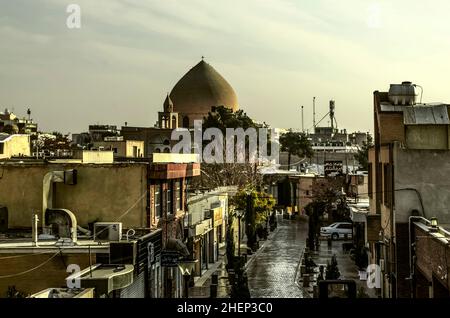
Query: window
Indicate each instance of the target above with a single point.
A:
(158, 207)
(370, 181)
(179, 194)
(1, 148)
(169, 197)
(345, 226)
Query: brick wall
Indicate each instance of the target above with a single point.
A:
(52, 274)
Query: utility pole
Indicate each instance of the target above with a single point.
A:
(314, 114)
(303, 123)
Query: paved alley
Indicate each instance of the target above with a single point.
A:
(272, 271)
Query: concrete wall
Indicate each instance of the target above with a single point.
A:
(427, 171)
(305, 191)
(94, 156)
(103, 192)
(15, 145)
(427, 137)
(123, 148)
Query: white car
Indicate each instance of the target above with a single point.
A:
(337, 230)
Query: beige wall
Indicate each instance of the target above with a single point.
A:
(103, 192)
(124, 148)
(305, 191)
(16, 145)
(94, 156)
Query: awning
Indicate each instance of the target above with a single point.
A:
(177, 245)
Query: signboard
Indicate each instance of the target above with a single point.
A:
(218, 219)
(169, 258)
(333, 167)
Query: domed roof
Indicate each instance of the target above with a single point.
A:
(200, 89)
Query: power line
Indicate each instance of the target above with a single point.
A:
(31, 269)
(24, 255)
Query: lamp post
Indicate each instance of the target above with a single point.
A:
(239, 214)
(186, 268)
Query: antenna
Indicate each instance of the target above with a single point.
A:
(314, 114)
(303, 123)
(332, 114)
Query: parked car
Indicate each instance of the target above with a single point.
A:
(337, 230)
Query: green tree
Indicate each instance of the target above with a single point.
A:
(257, 206)
(362, 156)
(297, 144)
(223, 118)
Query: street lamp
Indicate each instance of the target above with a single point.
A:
(187, 267)
(239, 215)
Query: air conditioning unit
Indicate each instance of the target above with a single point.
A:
(107, 231)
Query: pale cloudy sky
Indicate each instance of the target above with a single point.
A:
(277, 54)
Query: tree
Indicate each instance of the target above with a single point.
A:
(257, 206)
(215, 175)
(332, 272)
(362, 156)
(328, 198)
(296, 144)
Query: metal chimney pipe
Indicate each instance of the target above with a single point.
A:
(34, 229)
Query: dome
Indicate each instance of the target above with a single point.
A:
(199, 90)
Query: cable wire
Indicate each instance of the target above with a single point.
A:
(31, 269)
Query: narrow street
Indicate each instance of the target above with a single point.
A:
(272, 271)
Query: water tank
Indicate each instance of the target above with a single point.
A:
(402, 94)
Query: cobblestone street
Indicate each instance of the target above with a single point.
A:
(272, 271)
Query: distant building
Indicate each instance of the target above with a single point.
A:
(11, 124)
(99, 132)
(121, 148)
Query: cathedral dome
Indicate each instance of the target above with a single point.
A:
(198, 91)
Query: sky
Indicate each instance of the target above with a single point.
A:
(277, 54)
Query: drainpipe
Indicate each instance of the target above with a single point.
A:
(35, 230)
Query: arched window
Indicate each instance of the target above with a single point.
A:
(174, 122)
(186, 122)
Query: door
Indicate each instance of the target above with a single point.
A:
(3, 219)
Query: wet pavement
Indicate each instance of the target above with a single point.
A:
(272, 271)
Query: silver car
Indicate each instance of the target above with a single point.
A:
(337, 230)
